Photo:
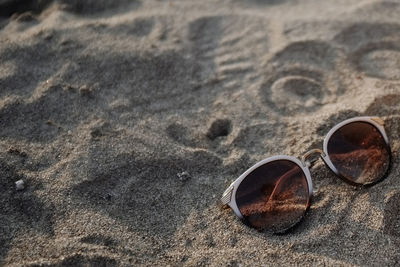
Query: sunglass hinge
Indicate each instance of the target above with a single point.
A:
(378, 120)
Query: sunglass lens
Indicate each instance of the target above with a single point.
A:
(274, 196)
(359, 152)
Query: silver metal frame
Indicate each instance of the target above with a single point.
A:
(229, 196)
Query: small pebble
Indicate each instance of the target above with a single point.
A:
(183, 176)
(19, 185)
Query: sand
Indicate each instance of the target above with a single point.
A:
(127, 120)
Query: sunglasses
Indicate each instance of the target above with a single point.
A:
(274, 194)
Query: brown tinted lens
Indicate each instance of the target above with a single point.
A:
(359, 152)
(274, 196)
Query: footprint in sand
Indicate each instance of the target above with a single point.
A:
(219, 44)
(373, 48)
(203, 34)
(301, 78)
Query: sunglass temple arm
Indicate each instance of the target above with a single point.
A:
(226, 196)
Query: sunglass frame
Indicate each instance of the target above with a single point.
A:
(377, 122)
(229, 195)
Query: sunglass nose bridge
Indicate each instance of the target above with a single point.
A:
(305, 159)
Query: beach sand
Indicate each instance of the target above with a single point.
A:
(127, 120)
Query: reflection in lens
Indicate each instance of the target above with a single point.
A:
(274, 196)
(359, 152)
